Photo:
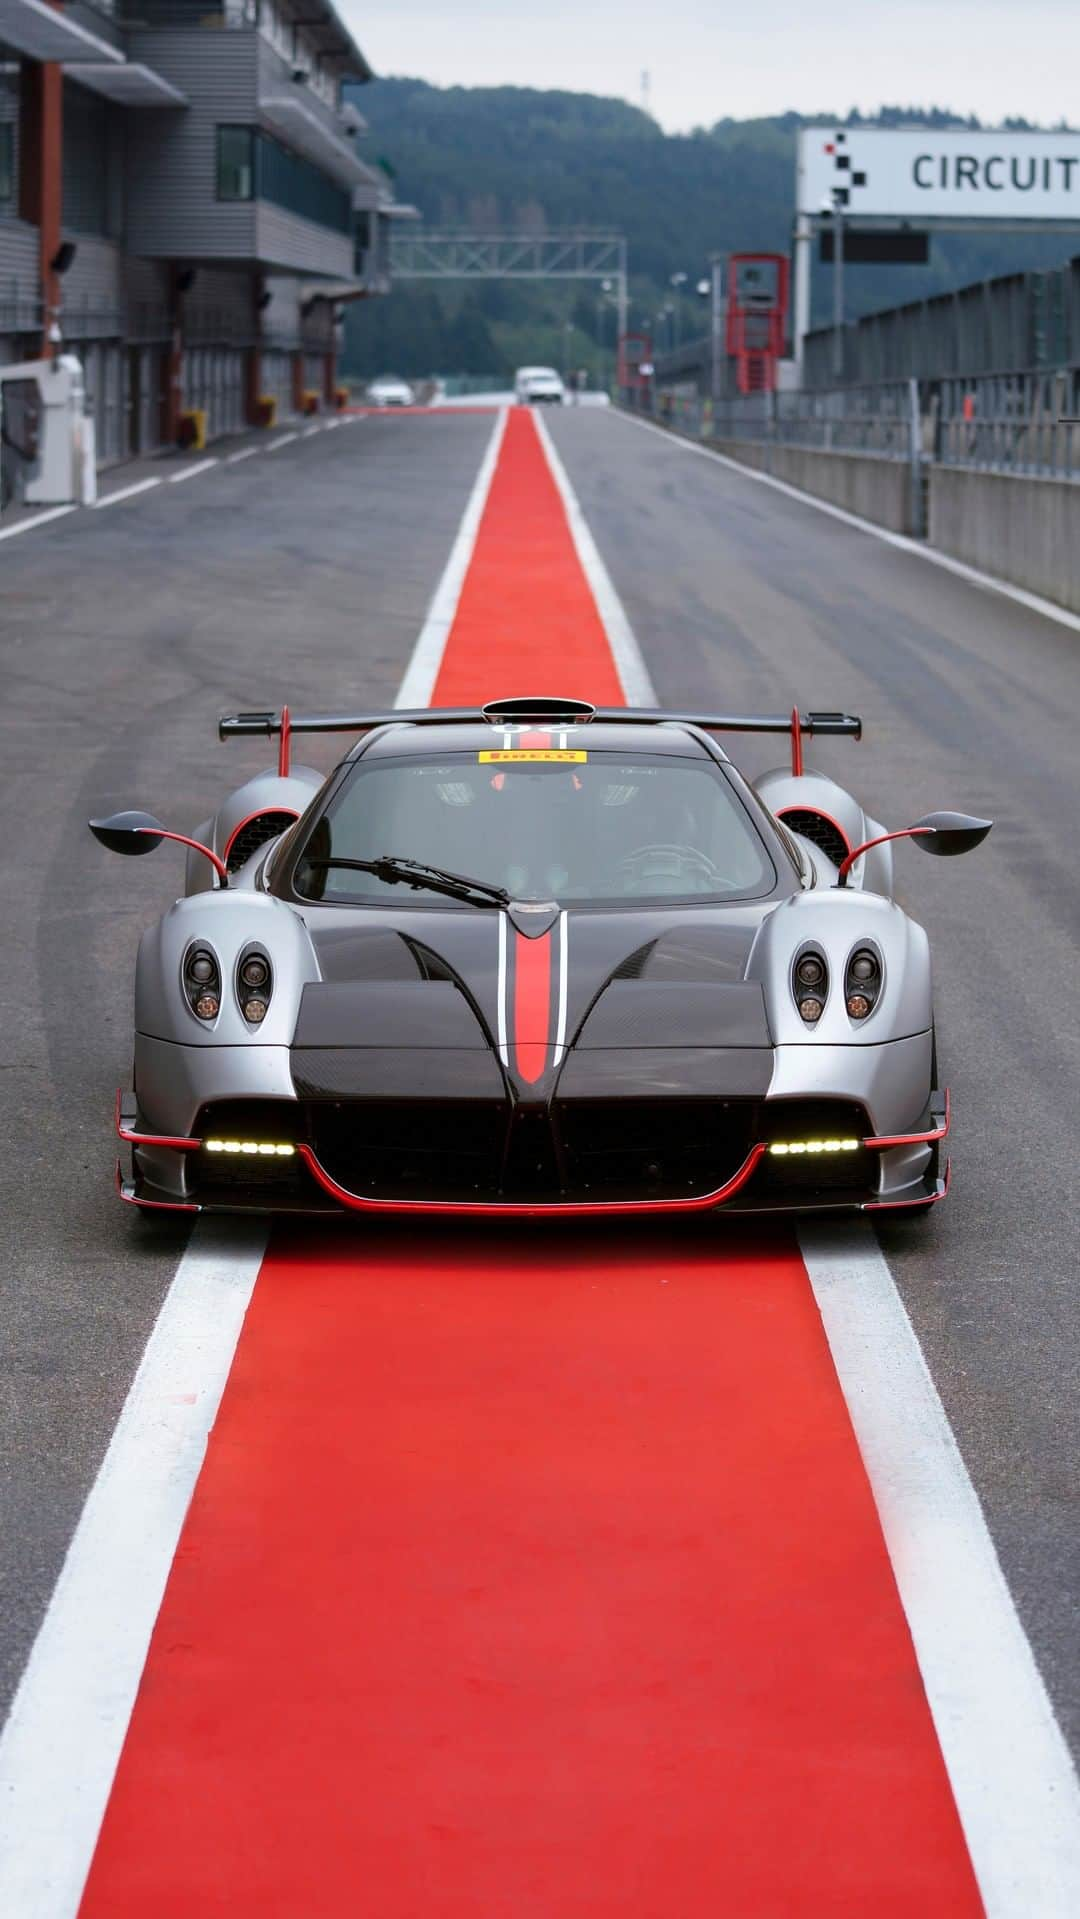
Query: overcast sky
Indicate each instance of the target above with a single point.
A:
(709, 58)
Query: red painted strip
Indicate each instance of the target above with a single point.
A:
(532, 1005)
(531, 1578)
(531, 1582)
(526, 614)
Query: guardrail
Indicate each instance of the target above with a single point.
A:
(1025, 422)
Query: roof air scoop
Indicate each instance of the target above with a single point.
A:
(543, 709)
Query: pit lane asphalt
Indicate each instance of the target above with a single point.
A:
(301, 575)
(742, 597)
(125, 633)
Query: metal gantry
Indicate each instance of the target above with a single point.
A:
(448, 255)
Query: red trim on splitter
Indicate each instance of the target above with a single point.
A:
(915, 1139)
(532, 1005)
(259, 813)
(514, 1209)
(149, 1139)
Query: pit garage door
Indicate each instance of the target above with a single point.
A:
(214, 381)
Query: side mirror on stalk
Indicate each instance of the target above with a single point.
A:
(136, 833)
(943, 834)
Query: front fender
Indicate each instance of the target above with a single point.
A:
(227, 922)
(837, 920)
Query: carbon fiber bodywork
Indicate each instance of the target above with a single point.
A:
(674, 1057)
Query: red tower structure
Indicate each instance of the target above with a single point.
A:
(756, 318)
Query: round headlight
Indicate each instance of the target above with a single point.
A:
(208, 1006)
(254, 971)
(858, 1005)
(810, 970)
(255, 1010)
(200, 967)
(863, 966)
(811, 1010)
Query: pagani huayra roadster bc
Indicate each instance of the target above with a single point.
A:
(536, 958)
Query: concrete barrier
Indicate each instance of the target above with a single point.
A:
(1018, 526)
(864, 483)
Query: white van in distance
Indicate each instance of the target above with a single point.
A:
(538, 386)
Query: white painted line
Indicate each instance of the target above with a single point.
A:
(60, 1747)
(633, 673)
(331, 424)
(283, 439)
(423, 669)
(245, 453)
(189, 472)
(989, 582)
(125, 493)
(1015, 1786)
(309, 430)
(39, 519)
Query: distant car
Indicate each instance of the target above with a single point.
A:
(538, 386)
(388, 390)
(536, 958)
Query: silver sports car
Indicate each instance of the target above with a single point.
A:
(530, 958)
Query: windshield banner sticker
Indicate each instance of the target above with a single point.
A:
(500, 756)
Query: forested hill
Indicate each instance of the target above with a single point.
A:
(523, 160)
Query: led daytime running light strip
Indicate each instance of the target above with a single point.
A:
(782, 1147)
(262, 1149)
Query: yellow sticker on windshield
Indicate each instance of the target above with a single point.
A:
(531, 753)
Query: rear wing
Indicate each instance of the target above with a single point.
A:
(283, 724)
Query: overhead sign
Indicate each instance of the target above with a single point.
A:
(918, 174)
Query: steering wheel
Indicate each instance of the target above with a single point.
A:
(686, 857)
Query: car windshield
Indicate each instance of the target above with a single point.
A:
(598, 827)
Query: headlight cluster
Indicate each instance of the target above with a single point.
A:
(862, 984)
(202, 983)
(810, 984)
(254, 983)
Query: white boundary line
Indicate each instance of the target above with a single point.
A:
(423, 669)
(39, 519)
(988, 581)
(189, 472)
(245, 453)
(124, 493)
(629, 664)
(283, 439)
(60, 1747)
(1013, 1779)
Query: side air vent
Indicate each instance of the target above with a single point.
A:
(823, 833)
(254, 833)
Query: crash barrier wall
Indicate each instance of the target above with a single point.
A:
(987, 470)
(867, 484)
(1025, 529)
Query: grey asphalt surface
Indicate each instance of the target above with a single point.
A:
(302, 574)
(744, 598)
(305, 575)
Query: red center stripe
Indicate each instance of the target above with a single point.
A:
(531, 1574)
(532, 1005)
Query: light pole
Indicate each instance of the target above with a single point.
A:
(839, 198)
(677, 282)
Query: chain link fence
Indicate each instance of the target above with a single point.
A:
(1024, 423)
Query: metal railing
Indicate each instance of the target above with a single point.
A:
(1025, 423)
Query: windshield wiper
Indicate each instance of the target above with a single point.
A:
(398, 872)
